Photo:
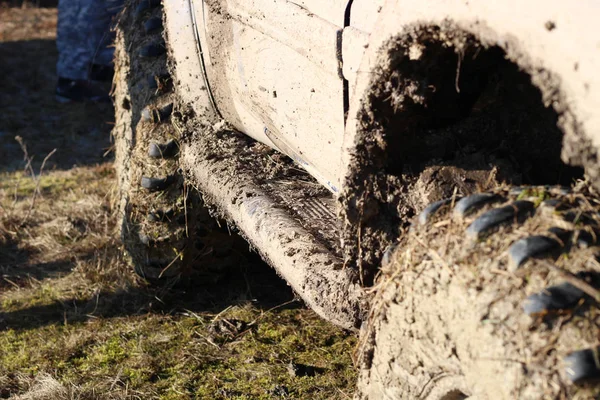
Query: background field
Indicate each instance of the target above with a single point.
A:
(75, 323)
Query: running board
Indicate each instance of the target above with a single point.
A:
(292, 228)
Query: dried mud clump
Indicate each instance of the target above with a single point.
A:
(444, 114)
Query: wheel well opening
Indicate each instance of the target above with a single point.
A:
(454, 395)
(458, 102)
(444, 113)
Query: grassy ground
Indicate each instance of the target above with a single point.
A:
(75, 323)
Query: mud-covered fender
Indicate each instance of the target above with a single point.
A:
(556, 42)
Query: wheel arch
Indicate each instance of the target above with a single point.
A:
(537, 37)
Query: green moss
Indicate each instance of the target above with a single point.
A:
(168, 355)
(14, 350)
(538, 195)
(21, 186)
(108, 354)
(9, 303)
(24, 185)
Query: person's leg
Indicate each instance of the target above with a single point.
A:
(102, 63)
(74, 52)
(106, 36)
(83, 37)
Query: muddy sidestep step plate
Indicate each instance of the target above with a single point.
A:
(314, 273)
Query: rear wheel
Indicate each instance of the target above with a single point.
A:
(165, 228)
(492, 296)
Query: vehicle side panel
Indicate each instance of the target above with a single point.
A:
(275, 73)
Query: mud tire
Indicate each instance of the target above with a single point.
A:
(165, 228)
(494, 299)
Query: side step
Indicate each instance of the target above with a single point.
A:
(274, 221)
(291, 222)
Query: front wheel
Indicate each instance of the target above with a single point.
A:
(492, 296)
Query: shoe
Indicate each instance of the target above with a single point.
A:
(69, 90)
(101, 73)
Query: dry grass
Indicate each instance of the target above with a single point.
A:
(76, 322)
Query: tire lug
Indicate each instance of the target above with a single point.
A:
(582, 365)
(166, 150)
(562, 234)
(153, 50)
(524, 249)
(559, 190)
(585, 239)
(576, 218)
(157, 114)
(475, 202)
(153, 24)
(555, 298)
(431, 209)
(553, 204)
(518, 210)
(516, 190)
(157, 184)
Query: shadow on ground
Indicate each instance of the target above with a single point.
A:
(16, 269)
(80, 132)
(252, 282)
(29, 3)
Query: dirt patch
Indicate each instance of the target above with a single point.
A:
(444, 113)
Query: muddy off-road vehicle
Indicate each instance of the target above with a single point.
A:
(423, 172)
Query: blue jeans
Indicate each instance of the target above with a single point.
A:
(83, 35)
